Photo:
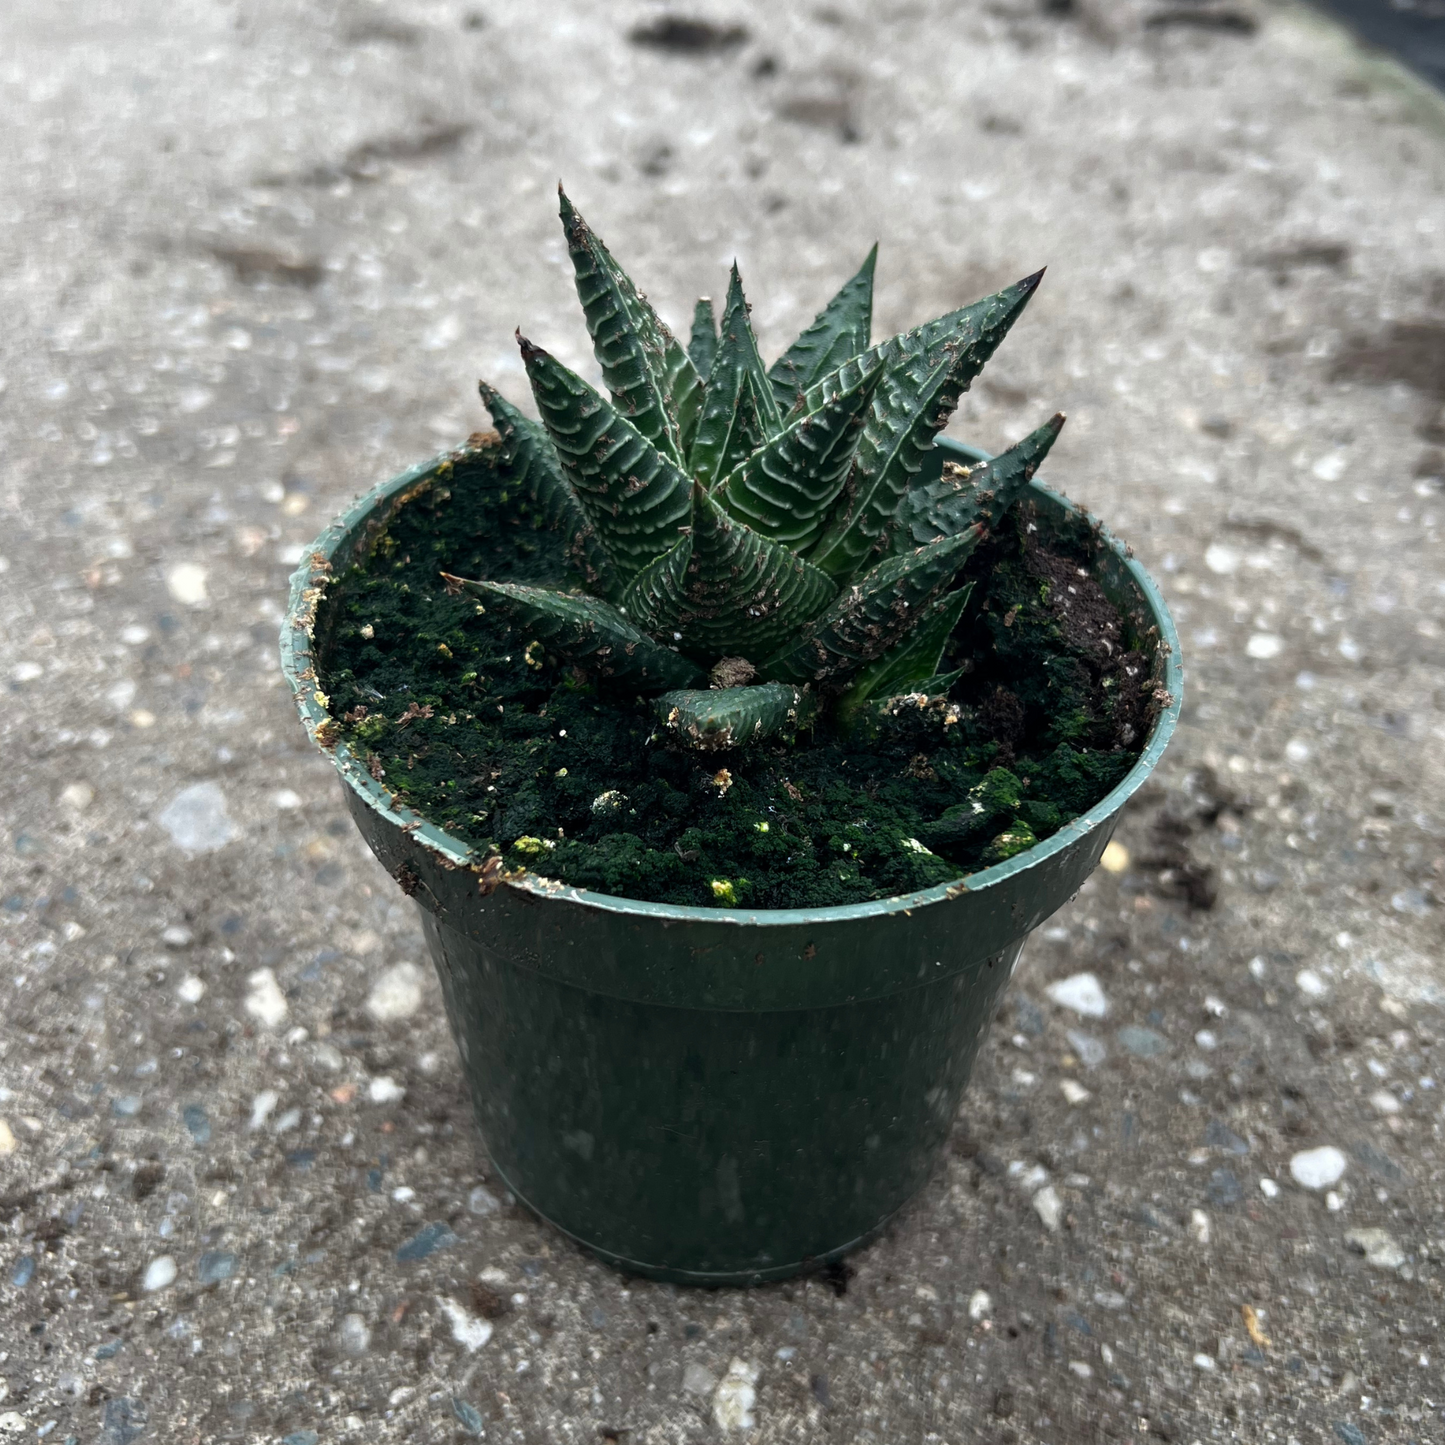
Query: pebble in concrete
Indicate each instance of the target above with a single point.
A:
(397, 993)
(1379, 1247)
(215, 1265)
(1082, 993)
(186, 582)
(197, 820)
(159, 1273)
(355, 1335)
(1049, 1208)
(1318, 1168)
(1141, 1042)
(264, 999)
(735, 1396)
(467, 1330)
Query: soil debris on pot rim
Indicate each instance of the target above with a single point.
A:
(472, 725)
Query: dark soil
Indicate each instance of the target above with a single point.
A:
(510, 750)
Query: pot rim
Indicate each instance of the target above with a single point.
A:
(308, 588)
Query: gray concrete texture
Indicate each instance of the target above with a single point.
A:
(253, 257)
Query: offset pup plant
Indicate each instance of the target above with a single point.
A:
(750, 546)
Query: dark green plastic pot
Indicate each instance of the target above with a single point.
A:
(705, 1096)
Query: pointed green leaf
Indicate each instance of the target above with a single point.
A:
(586, 632)
(635, 497)
(712, 719)
(874, 615)
(646, 370)
(716, 444)
(839, 333)
(913, 662)
(685, 392)
(963, 495)
(926, 370)
(531, 459)
(786, 488)
(702, 344)
(726, 590)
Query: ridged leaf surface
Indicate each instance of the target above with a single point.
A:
(712, 719)
(925, 372)
(873, 615)
(702, 344)
(839, 332)
(634, 496)
(982, 492)
(587, 633)
(531, 460)
(726, 590)
(647, 371)
(786, 488)
(722, 429)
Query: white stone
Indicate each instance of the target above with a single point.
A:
(482, 1201)
(262, 1105)
(77, 796)
(1384, 1102)
(697, 1379)
(1080, 992)
(1206, 1039)
(1074, 1093)
(26, 671)
(265, 1001)
(1309, 983)
(403, 1194)
(288, 1121)
(177, 935)
(1115, 858)
(1264, 645)
(12, 1422)
(1082, 1369)
(1318, 1168)
(1297, 750)
(197, 820)
(133, 634)
(355, 1335)
(1203, 1362)
(468, 1331)
(1220, 559)
(120, 695)
(186, 582)
(1269, 1188)
(1049, 1207)
(396, 994)
(159, 1273)
(7, 1138)
(191, 989)
(1199, 1226)
(1330, 467)
(735, 1396)
(980, 1306)
(1333, 1202)
(285, 800)
(1379, 1247)
(384, 1090)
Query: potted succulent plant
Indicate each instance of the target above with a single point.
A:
(732, 731)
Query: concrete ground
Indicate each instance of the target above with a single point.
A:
(253, 256)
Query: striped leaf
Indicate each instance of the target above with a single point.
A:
(926, 370)
(874, 615)
(634, 496)
(531, 460)
(647, 371)
(839, 333)
(712, 719)
(702, 344)
(726, 590)
(980, 493)
(787, 487)
(585, 632)
(723, 432)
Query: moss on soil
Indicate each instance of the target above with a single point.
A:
(480, 731)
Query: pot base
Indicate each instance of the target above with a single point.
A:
(741, 1279)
